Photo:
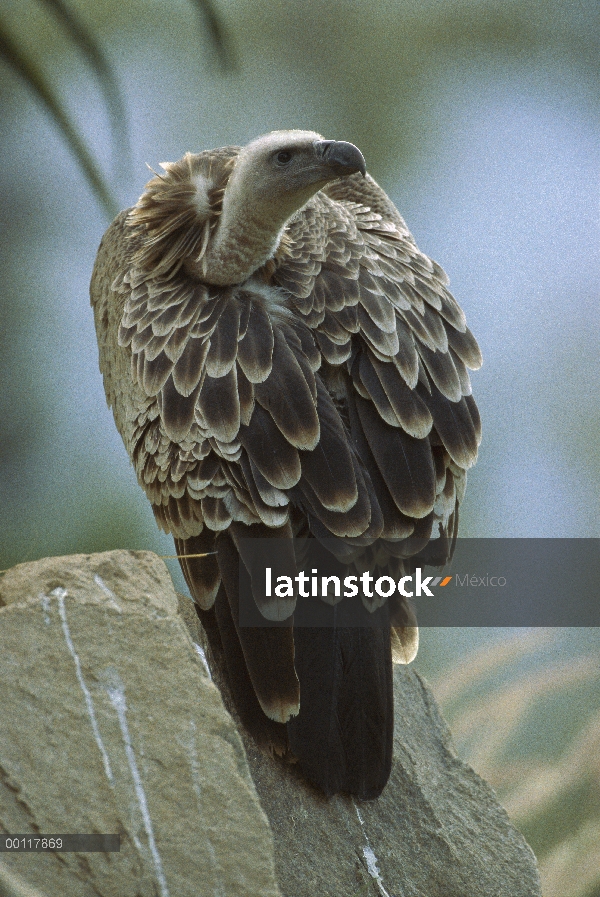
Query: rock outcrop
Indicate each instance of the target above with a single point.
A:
(110, 723)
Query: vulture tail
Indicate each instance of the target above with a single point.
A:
(343, 734)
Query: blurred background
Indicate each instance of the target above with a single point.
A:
(480, 119)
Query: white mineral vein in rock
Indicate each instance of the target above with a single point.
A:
(61, 594)
(117, 698)
(190, 747)
(113, 598)
(46, 607)
(200, 652)
(370, 858)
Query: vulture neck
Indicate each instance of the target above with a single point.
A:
(247, 235)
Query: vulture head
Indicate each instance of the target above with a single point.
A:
(222, 230)
(277, 174)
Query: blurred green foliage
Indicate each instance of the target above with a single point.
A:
(26, 62)
(524, 709)
(381, 64)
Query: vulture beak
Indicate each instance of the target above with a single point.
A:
(343, 158)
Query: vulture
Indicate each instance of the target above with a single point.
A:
(283, 363)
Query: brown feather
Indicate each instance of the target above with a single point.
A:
(351, 523)
(454, 425)
(395, 524)
(268, 652)
(411, 412)
(277, 460)
(474, 413)
(372, 384)
(332, 352)
(201, 573)
(215, 513)
(270, 504)
(466, 348)
(441, 370)
(404, 462)
(255, 350)
(219, 404)
(386, 343)
(177, 341)
(224, 341)
(246, 397)
(378, 307)
(176, 410)
(329, 467)
(309, 349)
(285, 394)
(338, 292)
(155, 373)
(189, 369)
(249, 542)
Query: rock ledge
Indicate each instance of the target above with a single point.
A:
(110, 723)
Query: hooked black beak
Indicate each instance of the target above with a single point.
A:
(343, 158)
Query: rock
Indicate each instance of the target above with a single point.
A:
(111, 724)
(436, 831)
(12, 885)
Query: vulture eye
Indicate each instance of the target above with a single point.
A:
(283, 157)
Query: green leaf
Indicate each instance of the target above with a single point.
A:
(84, 40)
(35, 79)
(217, 33)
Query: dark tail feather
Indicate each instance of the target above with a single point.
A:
(268, 651)
(343, 734)
(226, 649)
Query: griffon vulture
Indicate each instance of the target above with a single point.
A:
(282, 360)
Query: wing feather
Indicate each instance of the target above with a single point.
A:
(176, 343)
(332, 352)
(454, 425)
(246, 397)
(255, 349)
(372, 385)
(219, 405)
(201, 573)
(287, 397)
(351, 523)
(224, 340)
(177, 410)
(465, 346)
(329, 468)
(268, 652)
(404, 462)
(154, 373)
(411, 412)
(189, 369)
(396, 525)
(386, 343)
(440, 367)
(277, 460)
